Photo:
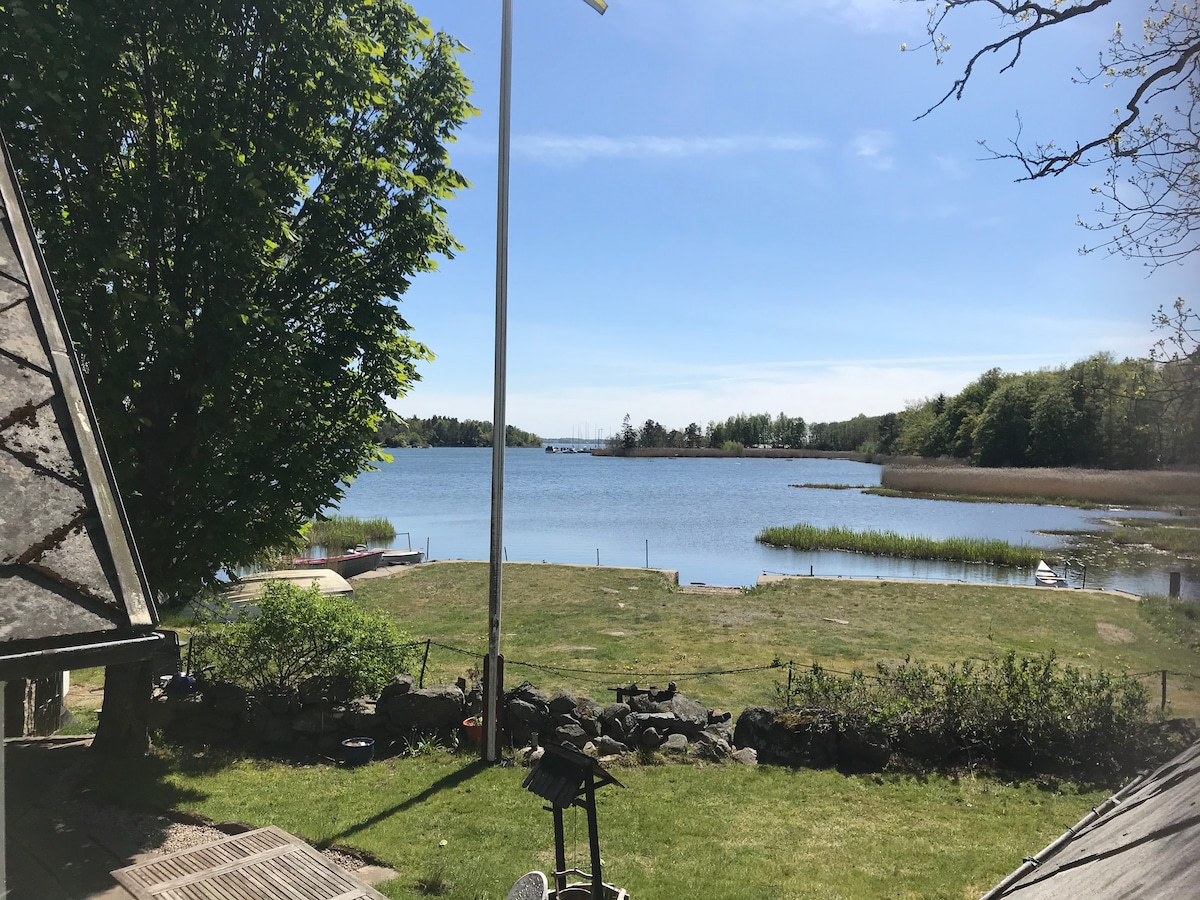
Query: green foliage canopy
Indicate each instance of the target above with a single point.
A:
(232, 198)
(301, 634)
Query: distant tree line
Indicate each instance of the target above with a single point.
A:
(1096, 413)
(761, 430)
(442, 431)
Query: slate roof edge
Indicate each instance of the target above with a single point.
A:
(135, 595)
(1031, 863)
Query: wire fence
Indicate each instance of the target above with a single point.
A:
(628, 675)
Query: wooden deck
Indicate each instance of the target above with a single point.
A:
(266, 864)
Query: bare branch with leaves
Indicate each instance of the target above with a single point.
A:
(1151, 193)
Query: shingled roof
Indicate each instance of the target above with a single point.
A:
(72, 591)
(1141, 842)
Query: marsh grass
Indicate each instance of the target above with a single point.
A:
(611, 627)
(1171, 538)
(1132, 488)
(460, 830)
(339, 533)
(889, 543)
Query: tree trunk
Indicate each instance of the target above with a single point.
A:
(124, 728)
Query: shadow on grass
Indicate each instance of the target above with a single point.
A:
(143, 782)
(454, 779)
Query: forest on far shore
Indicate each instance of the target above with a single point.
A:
(1096, 413)
(443, 431)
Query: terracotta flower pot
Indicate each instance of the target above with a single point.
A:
(474, 729)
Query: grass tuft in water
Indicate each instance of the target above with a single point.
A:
(339, 533)
(889, 543)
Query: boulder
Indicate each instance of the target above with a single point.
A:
(563, 703)
(315, 720)
(571, 734)
(746, 756)
(227, 698)
(710, 746)
(675, 744)
(862, 748)
(606, 746)
(790, 737)
(284, 702)
(649, 739)
(524, 711)
(430, 709)
(360, 716)
(722, 730)
(401, 684)
(662, 722)
(692, 714)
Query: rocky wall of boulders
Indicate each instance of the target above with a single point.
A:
(666, 721)
(315, 719)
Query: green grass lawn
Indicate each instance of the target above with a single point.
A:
(623, 625)
(457, 829)
(454, 828)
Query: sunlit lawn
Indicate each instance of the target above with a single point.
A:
(622, 625)
(454, 828)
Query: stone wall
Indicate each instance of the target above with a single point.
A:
(309, 721)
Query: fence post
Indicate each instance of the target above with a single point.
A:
(1164, 689)
(788, 696)
(421, 681)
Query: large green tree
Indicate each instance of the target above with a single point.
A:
(232, 197)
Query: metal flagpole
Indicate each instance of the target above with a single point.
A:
(491, 725)
(492, 675)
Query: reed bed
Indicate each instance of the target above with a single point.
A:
(1126, 487)
(343, 532)
(889, 543)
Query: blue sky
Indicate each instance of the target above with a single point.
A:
(723, 206)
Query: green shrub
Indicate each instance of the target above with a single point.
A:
(300, 634)
(1023, 714)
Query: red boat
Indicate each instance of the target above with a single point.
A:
(348, 565)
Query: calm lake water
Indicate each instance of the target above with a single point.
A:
(698, 516)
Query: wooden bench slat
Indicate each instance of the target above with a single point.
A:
(266, 864)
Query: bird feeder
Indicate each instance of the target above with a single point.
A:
(565, 777)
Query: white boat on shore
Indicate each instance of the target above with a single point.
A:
(404, 557)
(1044, 576)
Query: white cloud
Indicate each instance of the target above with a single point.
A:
(865, 15)
(563, 148)
(676, 394)
(871, 148)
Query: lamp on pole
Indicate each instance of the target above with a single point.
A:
(492, 675)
